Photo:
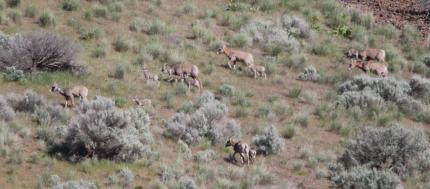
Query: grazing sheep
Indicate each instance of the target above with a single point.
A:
(239, 148)
(181, 70)
(70, 93)
(236, 56)
(258, 70)
(379, 69)
(193, 82)
(367, 54)
(146, 102)
(149, 76)
(252, 155)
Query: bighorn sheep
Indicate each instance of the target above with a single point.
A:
(252, 155)
(367, 54)
(181, 70)
(379, 69)
(191, 82)
(149, 76)
(236, 56)
(146, 102)
(258, 70)
(70, 93)
(240, 148)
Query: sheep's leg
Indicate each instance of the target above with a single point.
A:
(73, 101)
(243, 159)
(264, 75)
(81, 99)
(65, 104)
(234, 157)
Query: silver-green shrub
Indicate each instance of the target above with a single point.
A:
(363, 177)
(102, 131)
(269, 141)
(310, 74)
(207, 120)
(403, 151)
(364, 91)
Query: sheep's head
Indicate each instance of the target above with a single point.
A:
(55, 88)
(164, 68)
(221, 49)
(352, 53)
(230, 142)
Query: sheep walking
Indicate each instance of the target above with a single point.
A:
(367, 54)
(235, 56)
(258, 70)
(240, 148)
(379, 69)
(70, 93)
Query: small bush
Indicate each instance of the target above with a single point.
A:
(233, 21)
(15, 16)
(227, 90)
(90, 33)
(100, 51)
(271, 35)
(201, 33)
(362, 177)
(120, 102)
(388, 31)
(185, 9)
(71, 5)
(241, 40)
(206, 121)
(156, 27)
(126, 177)
(297, 26)
(12, 74)
(47, 19)
(120, 44)
(326, 48)
(409, 35)
(403, 151)
(295, 92)
(101, 131)
(268, 142)
(120, 71)
(310, 74)
(365, 20)
(100, 11)
(13, 3)
(31, 11)
(27, 102)
(288, 131)
(296, 61)
(205, 156)
(136, 25)
(6, 112)
(75, 184)
(38, 50)
(366, 92)
(184, 150)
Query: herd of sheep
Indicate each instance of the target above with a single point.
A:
(188, 73)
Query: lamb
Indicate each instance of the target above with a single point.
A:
(146, 102)
(70, 93)
(379, 69)
(191, 82)
(240, 148)
(252, 155)
(236, 56)
(149, 76)
(367, 54)
(258, 70)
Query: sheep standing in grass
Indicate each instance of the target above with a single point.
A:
(191, 82)
(149, 76)
(367, 54)
(70, 93)
(240, 148)
(379, 69)
(258, 70)
(252, 155)
(182, 70)
(236, 56)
